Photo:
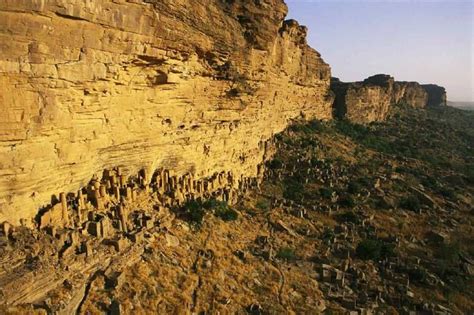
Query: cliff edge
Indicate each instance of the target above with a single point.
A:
(370, 100)
(194, 87)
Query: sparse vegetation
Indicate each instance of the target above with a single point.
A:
(343, 194)
(374, 250)
(286, 253)
(226, 213)
(263, 204)
(347, 201)
(369, 249)
(293, 189)
(326, 192)
(194, 211)
(328, 234)
(349, 216)
(411, 203)
(349, 173)
(354, 188)
(449, 252)
(275, 164)
(417, 275)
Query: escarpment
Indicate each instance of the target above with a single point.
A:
(370, 100)
(193, 87)
(436, 95)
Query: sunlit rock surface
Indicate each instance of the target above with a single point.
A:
(370, 100)
(191, 86)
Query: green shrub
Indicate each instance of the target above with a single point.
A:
(287, 254)
(279, 137)
(354, 187)
(263, 204)
(410, 203)
(402, 169)
(194, 212)
(438, 161)
(347, 201)
(299, 128)
(469, 173)
(366, 181)
(374, 250)
(448, 193)
(226, 214)
(417, 275)
(382, 203)
(388, 250)
(455, 180)
(355, 131)
(326, 192)
(368, 136)
(431, 183)
(313, 126)
(212, 204)
(308, 142)
(221, 209)
(449, 252)
(293, 189)
(275, 164)
(288, 141)
(369, 249)
(349, 217)
(317, 126)
(328, 234)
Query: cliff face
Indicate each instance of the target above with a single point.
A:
(363, 101)
(436, 95)
(192, 86)
(370, 100)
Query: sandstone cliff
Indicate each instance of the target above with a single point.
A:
(370, 100)
(192, 86)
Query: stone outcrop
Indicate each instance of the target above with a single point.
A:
(436, 95)
(192, 86)
(370, 100)
(363, 101)
(411, 93)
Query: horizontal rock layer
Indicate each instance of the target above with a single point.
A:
(370, 100)
(192, 86)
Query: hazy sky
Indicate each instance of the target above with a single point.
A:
(424, 41)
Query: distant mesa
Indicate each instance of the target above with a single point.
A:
(370, 100)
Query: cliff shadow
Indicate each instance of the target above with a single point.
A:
(339, 106)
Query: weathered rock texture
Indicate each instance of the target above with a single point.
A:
(193, 86)
(370, 100)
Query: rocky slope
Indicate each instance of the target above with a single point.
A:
(348, 219)
(191, 86)
(370, 100)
